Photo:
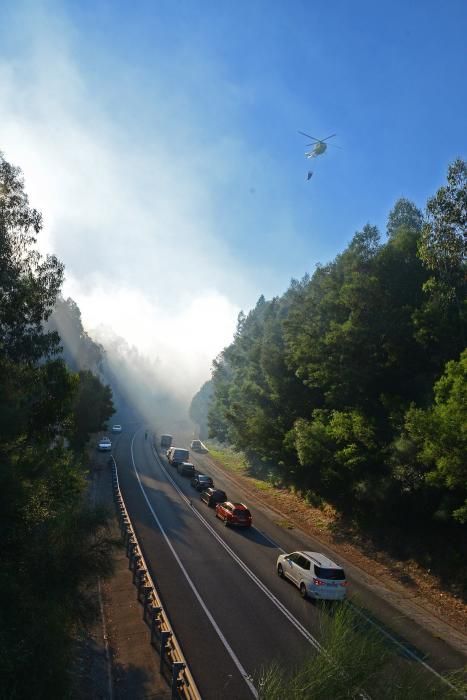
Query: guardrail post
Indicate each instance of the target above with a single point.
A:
(131, 545)
(125, 528)
(132, 551)
(135, 564)
(155, 626)
(138, 577)
(177, 667)
(165, 636)
(148, 598)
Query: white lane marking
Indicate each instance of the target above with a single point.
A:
(266, 537)
(223, 474)
(270, 595)
(211, 619)
(405, 649)
(280, 606)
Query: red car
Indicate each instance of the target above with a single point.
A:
(233, 514)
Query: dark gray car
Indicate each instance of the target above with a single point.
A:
(186, 469)
(213, 496)
(202, 482)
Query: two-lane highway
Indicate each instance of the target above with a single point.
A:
(231, 613)
(228, 622)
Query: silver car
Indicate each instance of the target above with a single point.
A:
(104, 445)
(314, 574)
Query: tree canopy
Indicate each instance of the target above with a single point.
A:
(52, 543)
(352, 383)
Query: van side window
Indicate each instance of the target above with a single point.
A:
(303, 563)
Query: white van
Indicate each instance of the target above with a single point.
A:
(177, 455)
(166, 441)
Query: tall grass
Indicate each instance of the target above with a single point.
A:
(230, 460)
(356, 662)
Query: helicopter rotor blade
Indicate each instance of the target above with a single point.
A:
(308, 136)
(329, 137)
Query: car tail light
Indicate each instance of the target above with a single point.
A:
(317, 582)
(343, 583)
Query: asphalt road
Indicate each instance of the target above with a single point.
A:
(231, 613)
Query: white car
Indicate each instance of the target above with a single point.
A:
(198, 446)
(314, 575)
(116, 428)
(104, 445)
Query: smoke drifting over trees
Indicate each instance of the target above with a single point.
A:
(53, 544)
(352, 384)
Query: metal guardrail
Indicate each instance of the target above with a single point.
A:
(172, 662)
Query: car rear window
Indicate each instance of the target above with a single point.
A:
(242, 511)
(331, 574)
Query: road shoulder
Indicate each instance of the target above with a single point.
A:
(115, 659)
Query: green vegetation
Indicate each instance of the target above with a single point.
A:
(199, 409)
(53, 544)
(230, 460)
(78, 350)
(355, 662)
(350, 387)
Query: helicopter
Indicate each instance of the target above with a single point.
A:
(319, 145)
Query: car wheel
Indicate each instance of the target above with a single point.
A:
(303, 592)
(226, 522)
(280, 571)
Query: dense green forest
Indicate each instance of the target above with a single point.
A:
(352, 385)
(53, 543)
(199, 408)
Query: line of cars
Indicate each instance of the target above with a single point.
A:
(195, 445)
(105, 443)
(230, 513)
(315, 575)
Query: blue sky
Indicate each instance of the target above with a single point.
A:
(389, 78)
(185, 115)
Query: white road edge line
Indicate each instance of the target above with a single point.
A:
(405, 649)
(224, 641)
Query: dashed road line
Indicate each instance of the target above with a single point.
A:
(209, 615)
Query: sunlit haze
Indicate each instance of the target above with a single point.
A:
(160, 143)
